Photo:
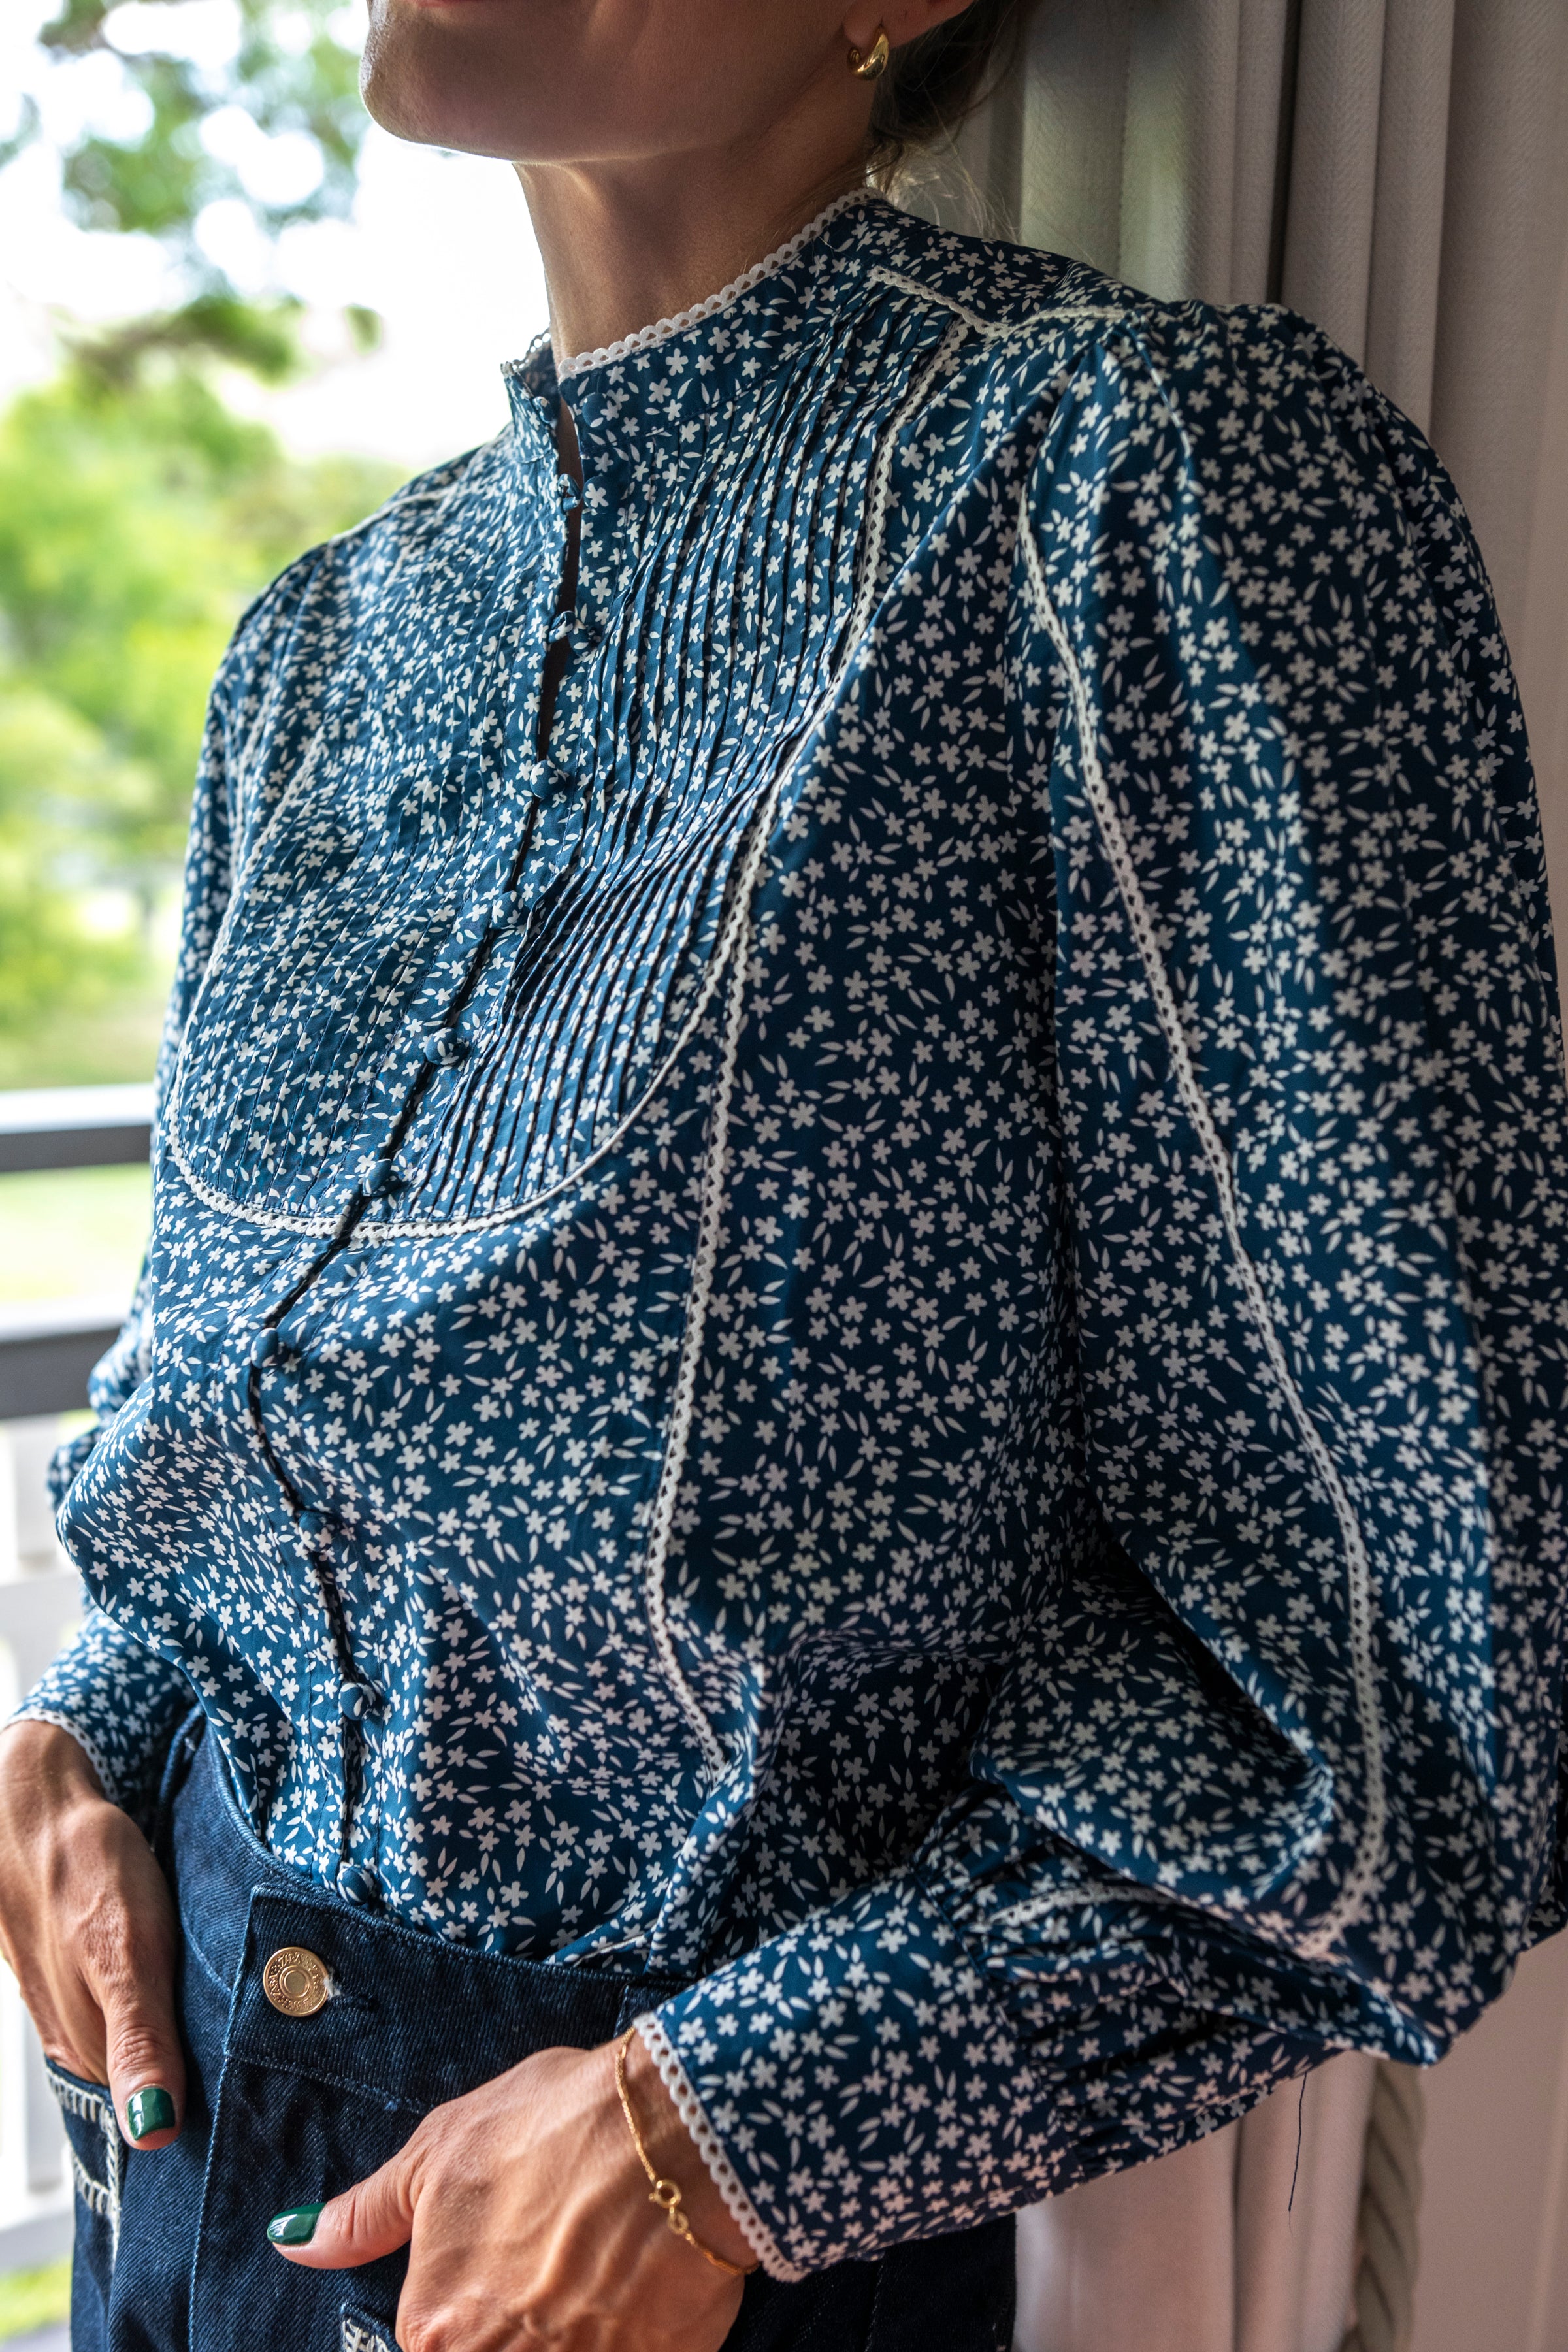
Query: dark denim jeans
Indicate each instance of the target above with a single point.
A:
(171, 2249)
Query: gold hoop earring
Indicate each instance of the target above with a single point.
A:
(873, 64)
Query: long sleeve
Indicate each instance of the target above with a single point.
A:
(118, 1699)
(1276, 1773)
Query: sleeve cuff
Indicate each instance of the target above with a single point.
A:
(118, 1701)
(712, 2149)
(851, 2085)
(979, 2030)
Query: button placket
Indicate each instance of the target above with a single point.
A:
(357, 1883)
(381, 1175)
(359, 1700)
(443, 1047)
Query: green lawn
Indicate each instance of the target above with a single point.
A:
(73, 1234)
(33, 2299)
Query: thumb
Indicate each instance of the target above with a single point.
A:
(146, 2069)
(374, 2218)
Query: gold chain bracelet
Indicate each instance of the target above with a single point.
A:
(664, 2193)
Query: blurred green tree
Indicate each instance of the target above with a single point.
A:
(276, 124)
(136, 521)
(138, 513)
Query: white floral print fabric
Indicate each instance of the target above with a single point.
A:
(892, 1330)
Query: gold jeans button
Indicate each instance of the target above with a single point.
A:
(295, 1982)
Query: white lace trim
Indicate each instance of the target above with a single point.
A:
(1366, 1869)
(661, 330)
(711, 2149)
(735, 950)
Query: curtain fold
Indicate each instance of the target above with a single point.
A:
(1505, 235)
(1243, 2243)
(1265, 97)
(1333, 189)
(1406, 255)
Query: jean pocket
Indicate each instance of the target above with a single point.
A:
(361, 2333)
(98, 2164)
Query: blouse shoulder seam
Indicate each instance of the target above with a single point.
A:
(1084, 312)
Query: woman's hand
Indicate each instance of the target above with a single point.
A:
(87, 1926)
(528, 2220)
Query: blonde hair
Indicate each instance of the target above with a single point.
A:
(933, 81)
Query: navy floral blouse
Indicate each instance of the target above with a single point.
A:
(891, 1333)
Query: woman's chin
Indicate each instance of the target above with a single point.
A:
(448, 100)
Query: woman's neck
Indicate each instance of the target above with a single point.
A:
(627, 243)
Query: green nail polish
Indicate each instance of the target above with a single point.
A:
(297, 2227)
(149, 2111)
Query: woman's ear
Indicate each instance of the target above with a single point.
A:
(901, 20)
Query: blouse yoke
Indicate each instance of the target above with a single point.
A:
(888, 1329)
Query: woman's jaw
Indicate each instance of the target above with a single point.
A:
(663, 145)
(586, 81)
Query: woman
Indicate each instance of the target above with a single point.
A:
(844, 1407)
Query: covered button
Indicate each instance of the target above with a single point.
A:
(545, 779)
(358, 1884)
(356, 1700)
(380, 1178)
(263, 1347)
(576, 633)
(312, 1524)
(445, 1049)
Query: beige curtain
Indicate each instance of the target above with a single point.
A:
(1246, 2239)
(1398, 171)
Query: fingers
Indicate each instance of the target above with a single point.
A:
(125, 1945)
(88, 1928)
(69, 2024)
(146, 2070)
(372, 2218)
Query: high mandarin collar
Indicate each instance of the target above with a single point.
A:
(642, 398)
